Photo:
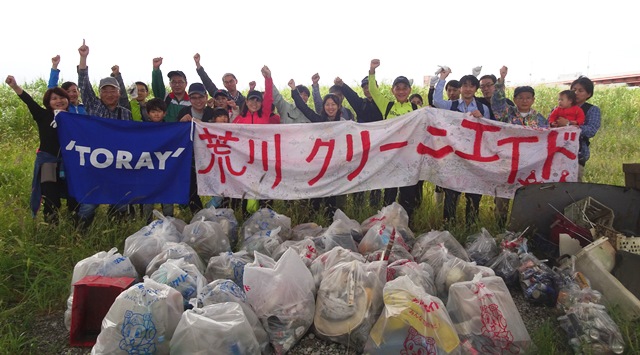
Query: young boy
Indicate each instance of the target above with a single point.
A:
(157, 109)
(568, 109)
(220, 115)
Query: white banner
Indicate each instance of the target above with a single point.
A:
(449, 149)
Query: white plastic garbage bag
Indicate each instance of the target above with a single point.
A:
(263, 220)
(182, 276)
(264, 241)
(175, 251)
(304, 230)
(142, 246)
(457, 270)
(228, 266)
(349, 302)
(421, 274)
(220, 291)
(481, 247)
(283, 297)
(215, 329)
(392, 215)
(206, 238)
(329, 259)
(412, 322)
(141, 320)
(486, 318)
(342, 224)
(428, 240)
(305, 248)
(225, 217)
(110, 264)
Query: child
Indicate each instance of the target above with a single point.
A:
(568, 109)
(220, 115)
(157, 110)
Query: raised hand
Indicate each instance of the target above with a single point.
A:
(157, 62)
(503, 72)
(83, 50)
(314, 79)
(445, 73)
(115, 70)
(55, 61)
(338, 81)
(292, 84)
(374, 64)
(186, 118)
(252, 85)
(266, 72)
(11, 81)
(232, 104)
(196, 58)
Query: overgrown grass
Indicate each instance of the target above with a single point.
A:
(37, 260)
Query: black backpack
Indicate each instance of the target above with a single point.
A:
(390, 105)
(454, 106)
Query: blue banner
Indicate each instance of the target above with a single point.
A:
(119, 162)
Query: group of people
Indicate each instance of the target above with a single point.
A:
(206, 102)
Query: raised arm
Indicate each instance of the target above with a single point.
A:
(157, 82)
(86, 90)
(204, 77)
(306, 110)
(352, 97)
(498, 100)
(438, 95)
(268, 92)
(315, 93)
(376, 95)
(55, 72)
(34, 108)
(124, 99)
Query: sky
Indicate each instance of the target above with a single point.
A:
(538, 40)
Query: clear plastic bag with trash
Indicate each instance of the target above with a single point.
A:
(264, 241)
(282, 294)
(591, 330)
(183, 276)
(206, 238)
(486, 318)
(457, 270)
(142, 246)
(342, 224)
(538, 282)
(412, 322)
(214, 329)
(421, 274)
(506, 265)
(327, 260)
(175, 251)
(220, 291)
(391, 215)
(306, 249)
(142, 320)
(481, 247)
(225, 217)
(105, 263)
(265, 219)
(349, 302)
(306, 230)
(228, 266)
(433, 238)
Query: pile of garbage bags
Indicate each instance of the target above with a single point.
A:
(372, 286)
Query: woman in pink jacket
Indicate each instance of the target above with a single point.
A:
(257, 109)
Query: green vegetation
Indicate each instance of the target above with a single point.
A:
(37, 259)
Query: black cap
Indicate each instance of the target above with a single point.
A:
(176, 72)
(401, 80)
(197, 88)
(254, 94)
(365, 81)
(222, 92)
(520, 89)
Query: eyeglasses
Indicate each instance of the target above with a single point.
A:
(173, 82)
(486, 86)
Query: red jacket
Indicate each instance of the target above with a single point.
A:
(265, 118)
(573, 113)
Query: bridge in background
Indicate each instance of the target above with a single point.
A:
(628, 79)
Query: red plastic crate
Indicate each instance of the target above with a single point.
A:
(92, 298)
(564, 225)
